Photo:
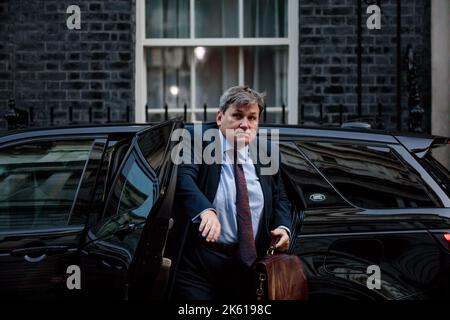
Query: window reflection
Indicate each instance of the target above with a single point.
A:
(38, 182)
(306, 181)
(265, 70)
(265, 18)
(370, 176)
(215, 73)
(216, 19)
(138, 194)
(133, 197)
(167, 19)
(168, 67)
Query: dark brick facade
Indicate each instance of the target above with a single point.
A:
(57, 68)
(328, 59)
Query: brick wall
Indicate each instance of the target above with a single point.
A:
(328, 60)
(57, 68)
(94, 67)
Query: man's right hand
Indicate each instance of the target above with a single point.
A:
(209, 226)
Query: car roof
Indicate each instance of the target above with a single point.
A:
(411, 140)
(99, 129)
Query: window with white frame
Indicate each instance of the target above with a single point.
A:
(188, 52)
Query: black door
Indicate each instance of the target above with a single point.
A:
(123, 253)
(44, 188)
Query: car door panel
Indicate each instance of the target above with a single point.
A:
(134, 215)
(35, 252)
(37, 267)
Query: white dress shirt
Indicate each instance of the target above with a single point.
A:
(225, 200)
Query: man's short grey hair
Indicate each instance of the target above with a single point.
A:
(239, 96)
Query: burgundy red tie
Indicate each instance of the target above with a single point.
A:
(247, 247)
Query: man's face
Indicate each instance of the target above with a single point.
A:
(241, 121)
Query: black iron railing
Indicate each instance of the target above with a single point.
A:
(317, 115)
(205, 109)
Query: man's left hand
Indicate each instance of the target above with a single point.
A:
(283, 242)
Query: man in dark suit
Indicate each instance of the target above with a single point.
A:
(234, 211)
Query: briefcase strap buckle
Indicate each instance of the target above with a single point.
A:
(260, 290)
(270, 251)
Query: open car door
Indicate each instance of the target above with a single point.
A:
(123, 255)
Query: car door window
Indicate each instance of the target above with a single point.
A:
(133, 197)
(369, 176)
(153, 146)
(140, 189)
(39, 182)
(135, 190)
(304, 183)
(440, 174)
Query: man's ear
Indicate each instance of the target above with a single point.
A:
(219, 118)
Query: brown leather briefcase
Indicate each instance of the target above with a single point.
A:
(280, 276)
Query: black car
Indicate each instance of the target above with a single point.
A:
(371, 212)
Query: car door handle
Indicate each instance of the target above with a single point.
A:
(35, 259)
(39, 251)
(33, 255)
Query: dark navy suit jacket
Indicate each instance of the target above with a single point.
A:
(197, 185)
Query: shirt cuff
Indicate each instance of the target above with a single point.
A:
(197, 218)
(287, 229)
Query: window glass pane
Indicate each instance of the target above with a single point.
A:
(139, 190)
(39, 181)
(370, 177)
(440, 174)
(216, 69)
(153, 145)
(167, 19)
(441, 155)
(266, 71)
(132, 199)
(265, 18)
(303, 181)
(216, 72)
(216, 19)
(168, 79)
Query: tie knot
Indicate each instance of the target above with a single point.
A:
(236, 156)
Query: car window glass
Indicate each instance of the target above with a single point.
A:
(440, 174)
(440, 155)
(139, 190)
(369, 176)
(133, 197)
(134, 193)
(153, 145)
(39, 181)
(302, 180)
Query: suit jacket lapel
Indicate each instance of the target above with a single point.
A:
(211, 183)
